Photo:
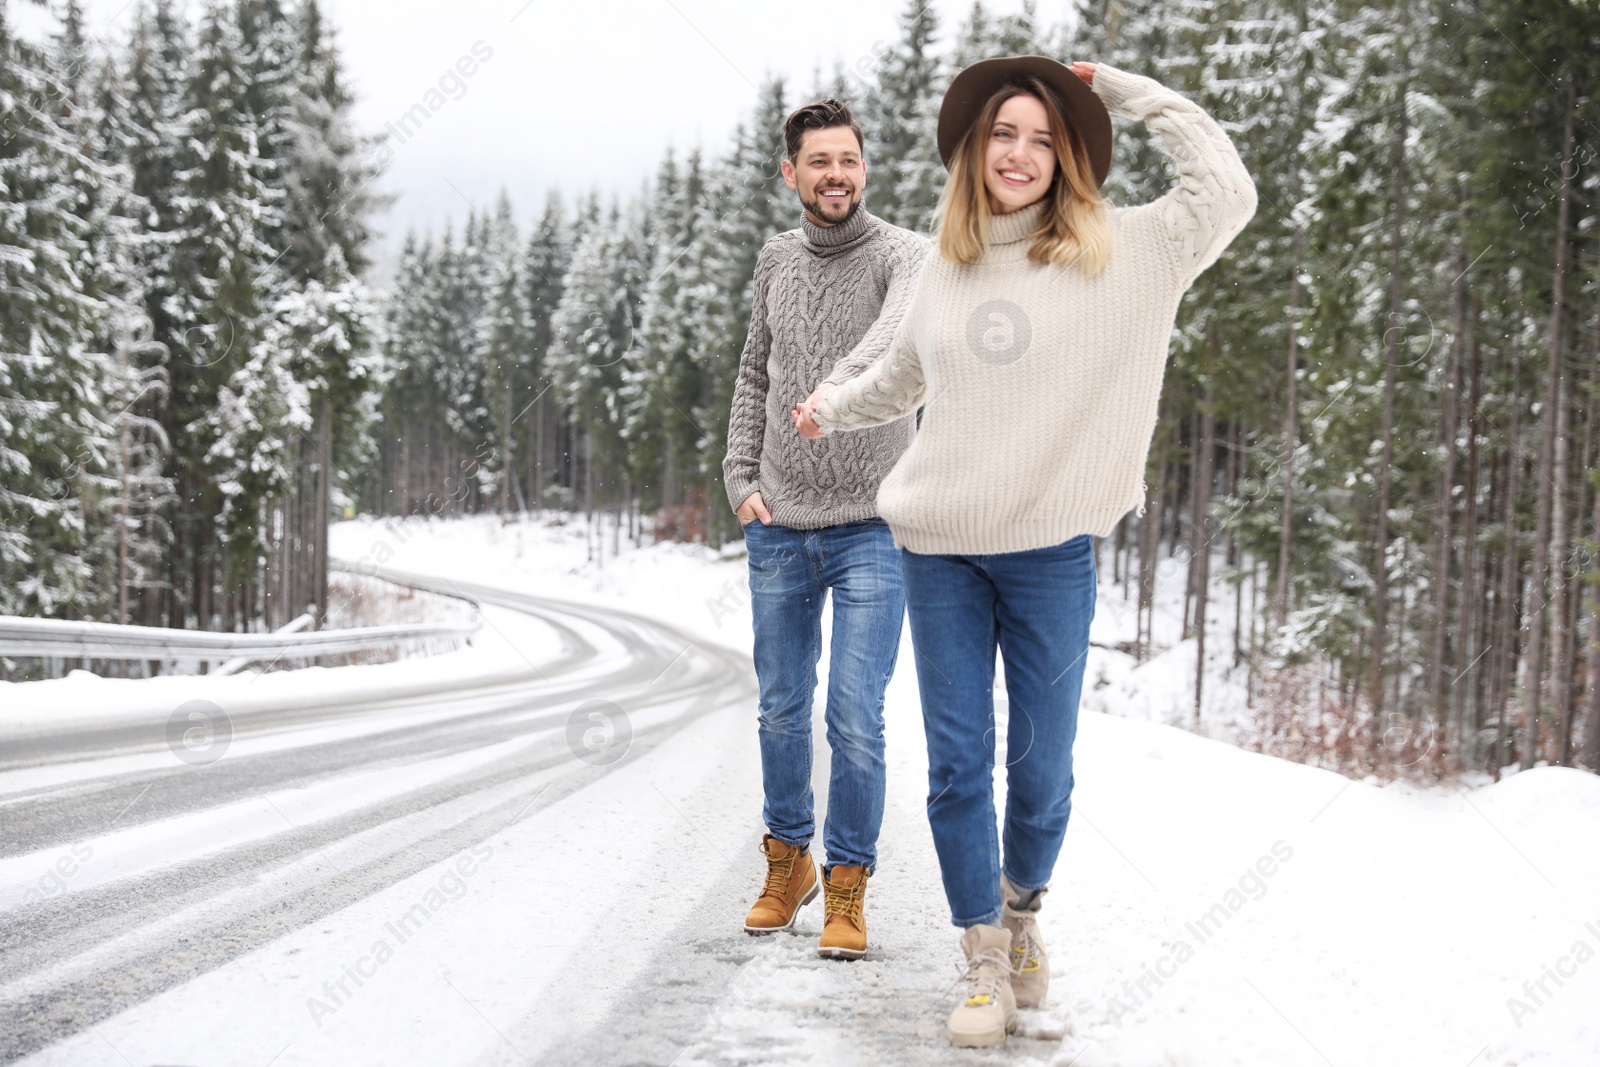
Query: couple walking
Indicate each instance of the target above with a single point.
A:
(1032, 338)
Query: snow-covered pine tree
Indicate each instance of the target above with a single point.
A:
(151, 125)
(1021, 32)
(976, 38)
(904, 175)
(455, 304)
(125, 499)
(328, 175)
(411, 396)
(271, 74)
(1536, 79)
(663, 395)
(746, 203)
(223, 290)
(504, 337)
(546, 261)
(53, 436)
(593, 340)
(328, 168)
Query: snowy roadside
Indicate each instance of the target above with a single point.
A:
(1211, 905)
(1400, 928)
(506, 646)
(687, 586)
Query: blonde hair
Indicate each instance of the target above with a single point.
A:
(1074, 229)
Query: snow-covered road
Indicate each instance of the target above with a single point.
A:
(456, 886)
(129, 864)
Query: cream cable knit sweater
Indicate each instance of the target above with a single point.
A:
(1039, 385)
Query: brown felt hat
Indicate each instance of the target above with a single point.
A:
(1086, 115)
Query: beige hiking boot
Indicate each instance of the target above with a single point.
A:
(1030, 967)
(988, 1009)
(791, 884)
(844, 933)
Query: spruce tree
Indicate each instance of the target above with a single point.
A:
(53, 437)
(669, 382)
(546, 260)
(746, 203)
(904, 174)
(504, 337)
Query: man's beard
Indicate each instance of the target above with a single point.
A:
(815, 207)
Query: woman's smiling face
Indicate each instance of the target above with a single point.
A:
(1020, 160)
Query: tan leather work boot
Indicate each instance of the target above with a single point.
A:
(1030, 967)
(844, 933)
(791, 885)
(988, 1008)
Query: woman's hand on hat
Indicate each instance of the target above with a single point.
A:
(1085, 71)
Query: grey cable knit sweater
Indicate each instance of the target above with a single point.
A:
(1039, 385)
(827, 303)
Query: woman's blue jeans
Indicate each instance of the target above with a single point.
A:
(791, 571)
(1035, 607)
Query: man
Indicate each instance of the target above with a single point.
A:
(827, 300)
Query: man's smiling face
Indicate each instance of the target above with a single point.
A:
(829, 175)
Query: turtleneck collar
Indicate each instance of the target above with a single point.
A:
(828, 240)
(1016, 227)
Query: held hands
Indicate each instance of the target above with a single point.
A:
(1084, 71)
(804, 413)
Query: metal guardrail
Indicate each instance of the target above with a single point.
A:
(298, 624)
(59, 639)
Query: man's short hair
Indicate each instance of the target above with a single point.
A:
(819, 116)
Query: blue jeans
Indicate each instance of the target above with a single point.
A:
(791, 572)
(1036, 607)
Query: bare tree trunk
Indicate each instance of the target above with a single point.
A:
(508, 469)
(1591, 747)
(1591, 733)
(1510, 577)
(1547, 448)
(1119, 537)
(592, 540)
(1169, 478)
(122, 530)
(1235, 559)
(1196, 533)
(1149, 543)
(1571, 622)
(537, 477)
(1559, 649)
(1448, 422)
(1464, 689)
(323, 511)
(1201, 564)
(616, 527)
(405, 471)
(1255, 621)
(1380, 608)
(1291, 432)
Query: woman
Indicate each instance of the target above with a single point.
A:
(1035, 346)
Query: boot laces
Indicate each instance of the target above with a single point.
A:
(1025, 945)
(846, 900)
(780, 871)
(983, 973)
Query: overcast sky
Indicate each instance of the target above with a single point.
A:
(574, 94)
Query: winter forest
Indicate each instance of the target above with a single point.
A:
(1377, 447)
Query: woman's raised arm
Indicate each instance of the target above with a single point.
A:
(1214, 197)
